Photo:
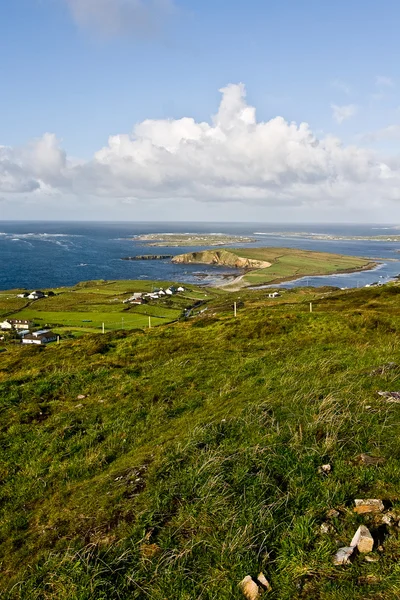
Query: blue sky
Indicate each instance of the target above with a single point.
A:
(84, 70)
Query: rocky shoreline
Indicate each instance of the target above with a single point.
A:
(148, 257)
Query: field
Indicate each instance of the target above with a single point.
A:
(90, 304)
(286, 263)
(171, 463)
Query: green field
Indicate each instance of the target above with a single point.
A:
(169, 464)
(286, 263)
(90, 304)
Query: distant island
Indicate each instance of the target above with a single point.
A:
(191, 239)
(329, 236)
(275, 265)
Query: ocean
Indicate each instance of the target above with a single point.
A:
(54, 254)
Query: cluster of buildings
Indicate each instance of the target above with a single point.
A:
(35, 295)
(23, 329)
(143, 297)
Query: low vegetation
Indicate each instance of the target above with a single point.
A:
(282, 264)
(170, 463)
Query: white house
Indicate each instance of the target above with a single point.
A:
(181, 289)
(169, 292)
(15, 324)
(274, 295)
(36, 295)
(44, 336)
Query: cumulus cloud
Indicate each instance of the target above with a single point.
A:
(341, 113)
(39, 165)
(233, 157)
(383, 81)
(121, 17)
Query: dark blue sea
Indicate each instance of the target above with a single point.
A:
(52, 254)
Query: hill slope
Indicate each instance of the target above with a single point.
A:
(172, 463)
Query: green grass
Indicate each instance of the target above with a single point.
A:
(89, 304)
(286, 263)
(193, 459)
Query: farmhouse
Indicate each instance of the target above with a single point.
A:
(274, 295)
(44, 336)
(15, 324)
(36, 295)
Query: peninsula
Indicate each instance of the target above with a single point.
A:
(275, 265)
(191, 239)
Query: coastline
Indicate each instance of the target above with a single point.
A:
(234, 287)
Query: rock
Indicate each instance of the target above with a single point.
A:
(387, 519)
(391, 366)
(325, 528)
(79, 406)
(263, 581)
(363, 540)
(249, 588)
(342, 556)
(368, 579)
(325, 469)
(80, 397)
(391, 396)
(371, 505)
(371, 559)
(367, 460)
(332, 513)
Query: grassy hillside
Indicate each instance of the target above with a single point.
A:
(285, 263)
(170, 463)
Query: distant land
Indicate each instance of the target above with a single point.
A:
(275, 265)
(192, 239)
(329, 236)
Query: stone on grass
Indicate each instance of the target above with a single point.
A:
(264, 582)
(249, 588)
(342, 556)
(80, 397)
(325, 528)
(325, 469)
(332, 513)
(367, 460)
(391, 396)
(363, 540)
(371, 559)
(370, 505)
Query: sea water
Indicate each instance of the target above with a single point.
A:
(53, 254)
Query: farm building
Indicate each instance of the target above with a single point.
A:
(274, 295)
(15, 324)
(44, 336)
(36, 295)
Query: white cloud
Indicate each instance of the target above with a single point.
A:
(383, 81)
(231, 158)
(141, 18)
(341, 113)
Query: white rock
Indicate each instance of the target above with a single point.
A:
(342, 556)
(363, 540)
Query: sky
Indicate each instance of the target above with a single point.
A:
(200, 110)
